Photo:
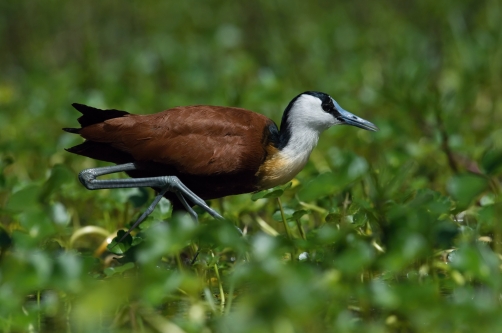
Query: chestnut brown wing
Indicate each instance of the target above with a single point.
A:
(197, 140)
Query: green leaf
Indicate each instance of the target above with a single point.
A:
(109, 271)
(146, 223)
(60, 214)
(488, 217)
(299, 213)
(37, 223)
(163, 211)
(25, 199)
(333, 218)
(136, 240)
(273, 192)
(213, 260)
(464, 188)
(140, 197)
(320, 186)
(5, 240)
(4, 161)
(120, 247)
(60, 175)
(360, 218)
(290, 214)
(491, 162)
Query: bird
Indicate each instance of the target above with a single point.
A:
(190, 154)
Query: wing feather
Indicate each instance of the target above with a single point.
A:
(197, 140)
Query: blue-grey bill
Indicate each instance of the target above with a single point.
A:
(353, 120)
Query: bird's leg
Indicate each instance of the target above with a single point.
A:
(185, 204)
(198, 201)
(147, 212)
(166, 183)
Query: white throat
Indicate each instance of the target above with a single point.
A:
(306, 120)
(301, 143)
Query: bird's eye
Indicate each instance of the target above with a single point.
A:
(327, 107)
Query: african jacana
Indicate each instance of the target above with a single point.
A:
(205, 152)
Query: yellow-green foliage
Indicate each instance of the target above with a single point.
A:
(397, 231)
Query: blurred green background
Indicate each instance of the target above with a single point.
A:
(401, 227)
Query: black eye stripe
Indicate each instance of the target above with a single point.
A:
(329, 107)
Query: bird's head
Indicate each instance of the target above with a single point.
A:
(320, 111)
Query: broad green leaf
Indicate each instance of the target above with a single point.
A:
(60, 174)
(333, 218)
(299, 213)
(146, 223)
(488, 217)
(290, 214)
(319, 187)
(360, 218)
(273, 192)
(140, 197)
(37, 223)
(464, 188)
(109, 271)
(163, 210)
(120, 247)
(491, 162)
(5, 239)
(123, 195)
(339, 218)
(60, 214)
(25, 199)
(136, 240)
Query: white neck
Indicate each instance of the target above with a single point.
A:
(300, 144)
(306, 120)
(290, 160)
(300, 130)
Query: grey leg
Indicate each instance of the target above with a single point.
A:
(145, 214)
(189, 209)
(166, 183)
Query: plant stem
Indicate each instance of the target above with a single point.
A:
(178, 261)
(286, 226)
(39, 312)
(300, 228)
(445, 142)
(230, 297)
(222, 293)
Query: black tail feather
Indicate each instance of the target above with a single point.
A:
(100, 151)
(71, 130)
(91, 116)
